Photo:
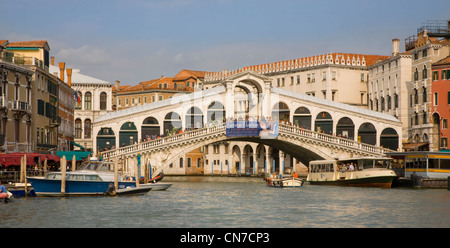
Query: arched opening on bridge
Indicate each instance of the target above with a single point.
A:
(106, 139)
(324, 123)
(150, 128)
(260, 159)
(172, 122)
(281, 112)
(241, 103)
(216, 113)
(235, 165)
(389, 139)
(345, 128)
(194, 118)
(128, 134)
(249, 160)
(302, 118)
(367, 134)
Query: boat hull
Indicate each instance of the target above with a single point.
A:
(284, 183)
(376, 182)
(52, 187)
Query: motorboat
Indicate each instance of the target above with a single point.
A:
(283, 181)
(358, 172)
(92, 178)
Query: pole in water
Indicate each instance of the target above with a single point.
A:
(63, 165)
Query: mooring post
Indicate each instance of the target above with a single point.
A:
(63, 165)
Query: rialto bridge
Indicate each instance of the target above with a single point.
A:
(308, 128)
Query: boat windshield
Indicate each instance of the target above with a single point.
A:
(97, 166)
(374, 163)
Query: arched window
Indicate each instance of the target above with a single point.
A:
(78, 129)
(87, 128)
(103, 99)
(88, 101)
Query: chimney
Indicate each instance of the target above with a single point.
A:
(395, 47)
(69, 77)
(52, 60)
(62, 66)
(117, 85)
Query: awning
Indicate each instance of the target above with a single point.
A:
(79, 155)
(414, 146)
(76, 144)
(8, 159)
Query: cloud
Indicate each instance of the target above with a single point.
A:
(84, 55)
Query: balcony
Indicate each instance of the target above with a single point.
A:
(20, 106)
(22, 60)
(55, 121)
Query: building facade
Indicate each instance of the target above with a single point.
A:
(440, 101)
(388, 86)
(92, 97)
(38, 99)
(431, 44)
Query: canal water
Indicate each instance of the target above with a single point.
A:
(237, 202)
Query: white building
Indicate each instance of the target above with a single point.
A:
(93, 98)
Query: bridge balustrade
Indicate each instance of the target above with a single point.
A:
(204, 132)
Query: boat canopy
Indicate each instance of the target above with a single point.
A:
(8, 159)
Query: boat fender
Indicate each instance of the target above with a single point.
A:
(111, 191)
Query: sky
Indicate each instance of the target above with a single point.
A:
(139, 40)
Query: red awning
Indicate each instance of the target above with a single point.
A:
(8, 159)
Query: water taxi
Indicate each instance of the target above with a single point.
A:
(358, 172)
(283, 181)
(92, 178)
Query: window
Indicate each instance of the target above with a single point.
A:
(448, 97)
(362, 77)
(425, 117)
(88, 101)
(181, 162)
(436, 75)
(424, 72)
(444, 124)
(103, 99)
(435, 99)
(424, 96)
(78, 129)
(333, 75)
(189, 162)
(298, 79)
(424, 53)
(444, 142)
(416, 75)
(87, 129)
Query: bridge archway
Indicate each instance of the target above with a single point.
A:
(172, 121)
(193, 118)
(367, 133)
(389, 139)
(324, 123)
(302, 118)
(128, 134)
(281, 112)
(106, 139)
(346, 128)
(215, 113)
(150, 128)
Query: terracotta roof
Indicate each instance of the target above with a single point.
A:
(3, 42)
(33, 43)
(443, 61)
(185, 74)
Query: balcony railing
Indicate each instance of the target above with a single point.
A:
(17, 105)
(22, 60)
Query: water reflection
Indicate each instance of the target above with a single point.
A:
(237, 202)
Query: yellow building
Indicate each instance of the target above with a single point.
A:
(39, 97)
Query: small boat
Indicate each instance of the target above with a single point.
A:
(158, 186)
(283, 181)
(8, 198)
(357, 172)
(18, 189)
(92, 178)
(153, 180)
(142, 189)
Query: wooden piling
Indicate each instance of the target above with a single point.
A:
(116, 173)
(45, 167)
(74, 163)
(63, 166)
(136, 172)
